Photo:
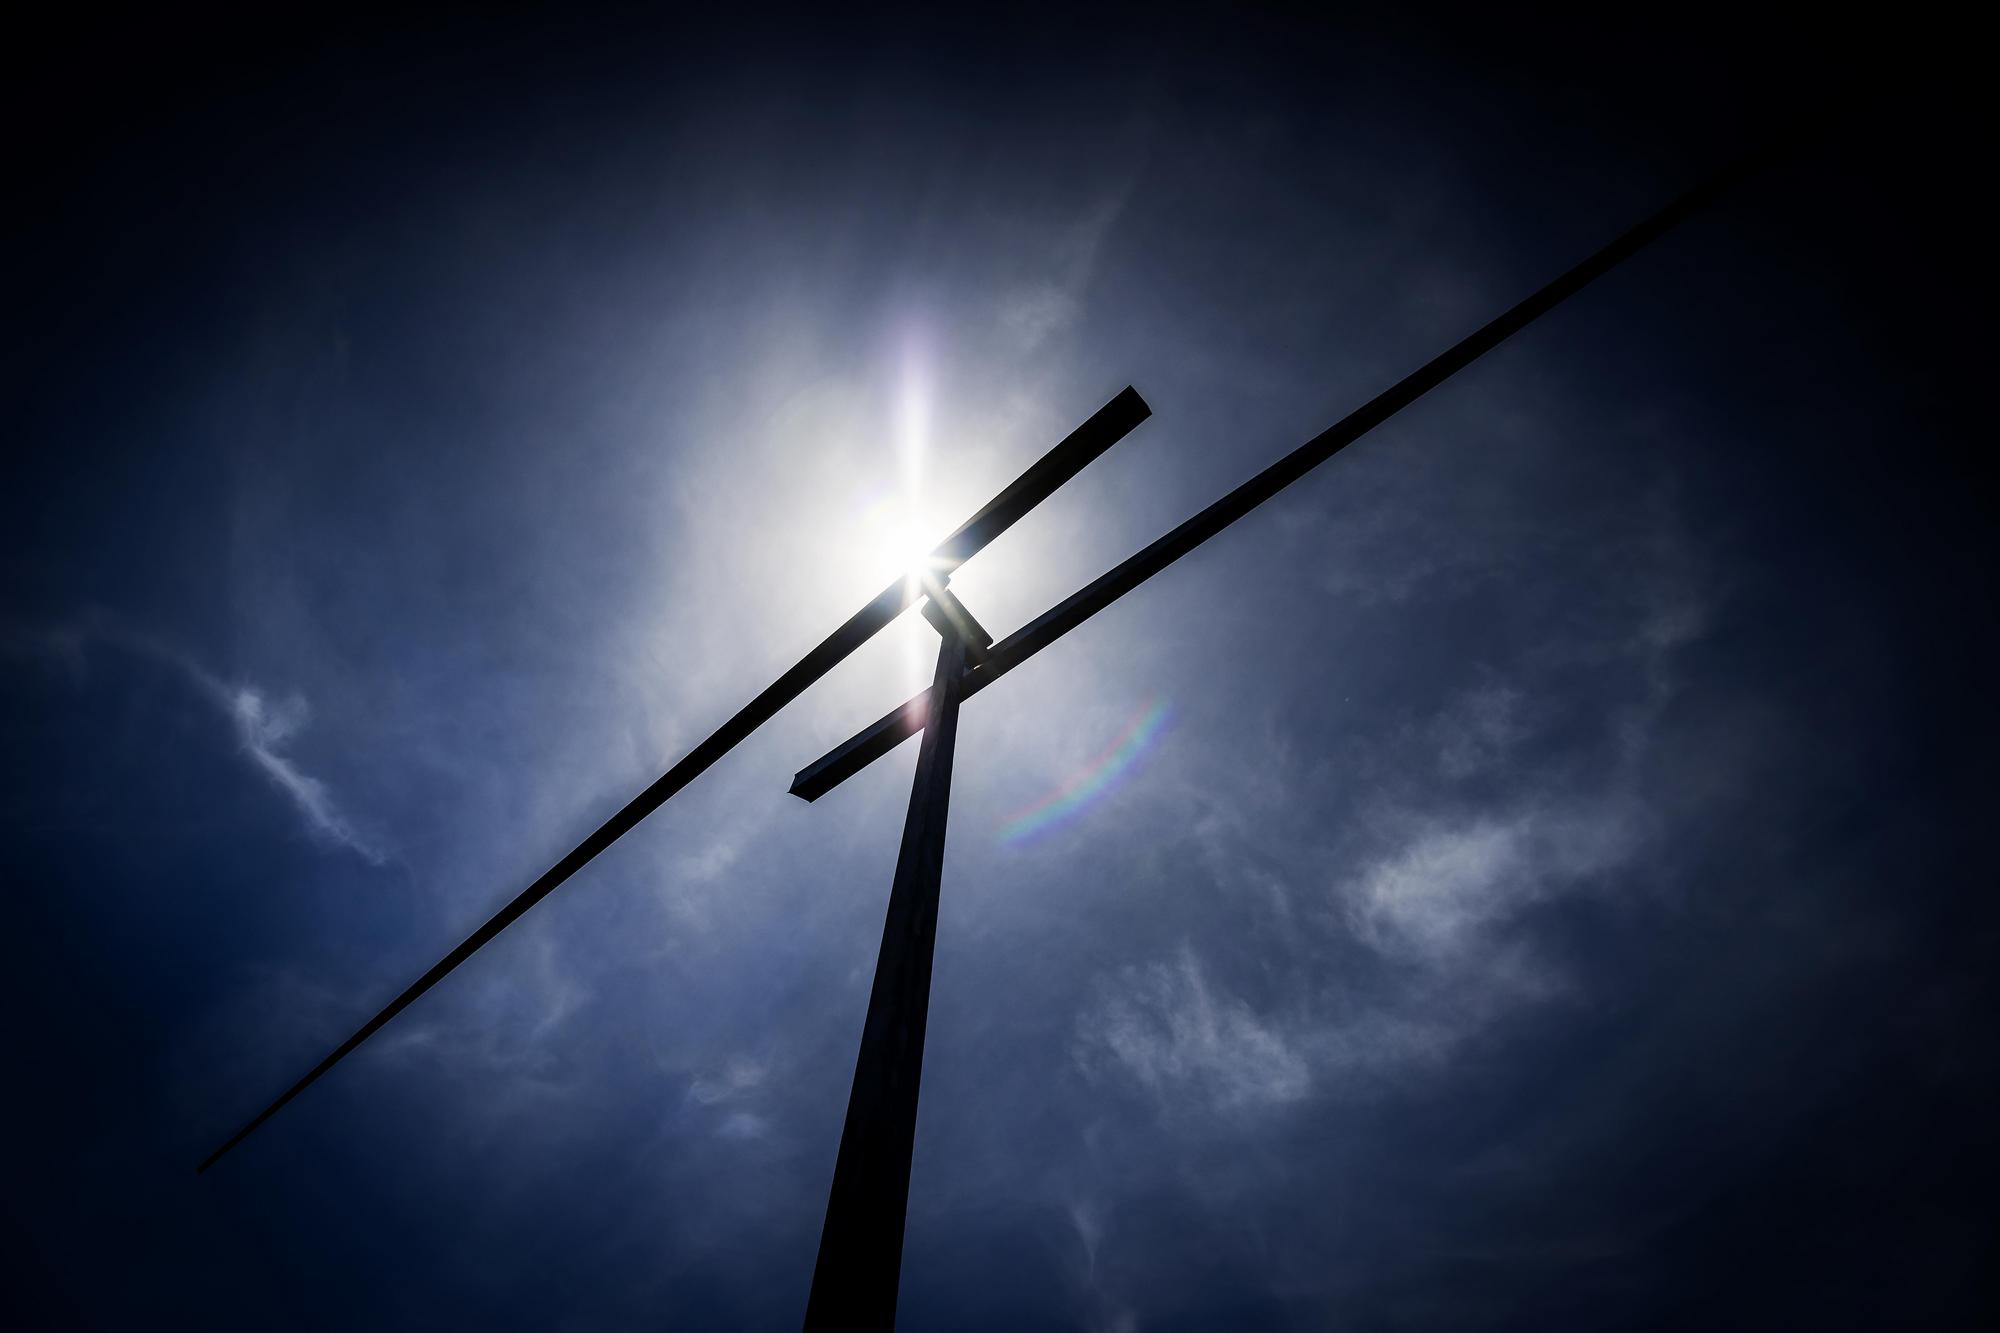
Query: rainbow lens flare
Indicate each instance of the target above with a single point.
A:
(1098, 777)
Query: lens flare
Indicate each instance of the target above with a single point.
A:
(1098, 777)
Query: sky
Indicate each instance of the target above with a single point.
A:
(1531, 874)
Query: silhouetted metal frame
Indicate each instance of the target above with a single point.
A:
(856, 1276)
(851, 756)
(1106, 427)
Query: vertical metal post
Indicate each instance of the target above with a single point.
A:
(861, 1242)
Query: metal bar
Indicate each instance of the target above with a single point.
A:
(861, 1243)
(948, 616)
(850, 757)
(1105, 428)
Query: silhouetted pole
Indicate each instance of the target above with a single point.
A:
(861, 1243)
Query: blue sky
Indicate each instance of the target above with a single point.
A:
(1557, 898)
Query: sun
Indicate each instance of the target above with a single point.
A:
(896, 534)
(892, 538)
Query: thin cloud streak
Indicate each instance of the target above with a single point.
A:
(263, 726)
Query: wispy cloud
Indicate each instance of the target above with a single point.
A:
(1172, 1028)
(1040, 308)
(505, 1028)
(1387, 944)
(737, 1076)
(1438, 888)
(1110, 1313)
(262, 729)
(263, 725)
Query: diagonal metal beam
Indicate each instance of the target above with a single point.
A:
(1106, 427)
(843, 761)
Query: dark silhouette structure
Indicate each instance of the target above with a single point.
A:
(860, 1254)
(861, 1244)
(1106, 427)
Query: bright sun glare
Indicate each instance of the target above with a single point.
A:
(896, 533)
(893, 538)
(897, 528)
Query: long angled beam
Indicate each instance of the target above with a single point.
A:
(1106, 427)
(845, 760)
